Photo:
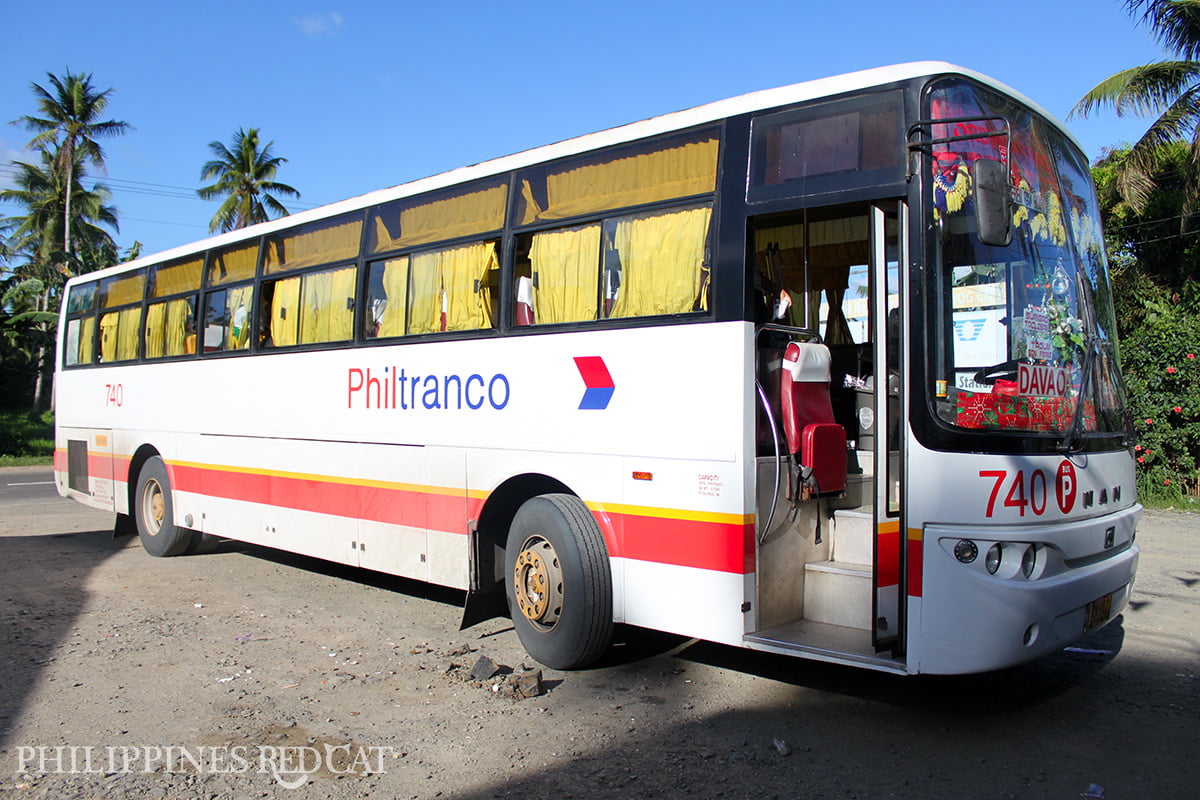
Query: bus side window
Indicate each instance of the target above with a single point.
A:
(279, 312)
(227, 319)
(561, 278)
(171, 328)
(450, 289)
(119, 335)
(81, 341)
(654, 263)
(387, 289)
(326, 301)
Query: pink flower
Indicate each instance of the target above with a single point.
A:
(1177, 409)
(1170, 370)
(1149, 421)
(1191, 355)
(1141, 460)
(1137, 448)
(1167, 482)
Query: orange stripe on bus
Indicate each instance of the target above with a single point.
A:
(916, 540)
(887, 551)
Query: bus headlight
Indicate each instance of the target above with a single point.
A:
(966, 551)
(1029, 561)
(992, 561)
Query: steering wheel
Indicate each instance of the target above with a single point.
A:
(989, 375)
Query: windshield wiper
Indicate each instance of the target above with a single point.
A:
(1068, 445)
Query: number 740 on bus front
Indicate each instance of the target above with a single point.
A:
(1028, 490)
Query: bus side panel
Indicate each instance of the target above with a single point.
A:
(88, 466)
(447, 510)
(83, 466)
(357, 504)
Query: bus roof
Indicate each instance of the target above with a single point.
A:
(678, 120)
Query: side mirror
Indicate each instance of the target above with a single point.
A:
(993, 202)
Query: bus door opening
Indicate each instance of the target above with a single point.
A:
(822, 370)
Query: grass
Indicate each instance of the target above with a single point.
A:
(26, 439)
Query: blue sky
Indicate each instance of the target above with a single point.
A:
(363, 95)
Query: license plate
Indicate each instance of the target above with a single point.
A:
(1097, 612)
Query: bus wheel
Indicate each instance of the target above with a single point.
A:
(152, 510)
(559, 584)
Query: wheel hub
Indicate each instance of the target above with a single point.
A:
(537, 579)
(153, 506)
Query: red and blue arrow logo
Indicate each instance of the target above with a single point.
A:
(599, 383)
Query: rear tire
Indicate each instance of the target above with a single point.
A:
(558, 581)
(155, 513)
(203, 543)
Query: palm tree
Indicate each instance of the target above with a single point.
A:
(37, 234)
(1168, 89)
(33, 238)
(68, 126)
(245, 175)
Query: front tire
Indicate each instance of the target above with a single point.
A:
(155, 514)
(558, 581)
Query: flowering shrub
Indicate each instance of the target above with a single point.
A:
(1162, 374)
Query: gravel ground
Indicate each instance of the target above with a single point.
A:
(254, 674)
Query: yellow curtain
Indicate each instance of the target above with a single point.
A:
(408, 222)
(453, 282)
(465, 282)
(319, 243)
(663, 174)
(662, 259)
(425, 301)
(232, 265)
(177, 278)
(395, 290)
(108, 337)
(179, 319)
(566, 266)
(127, 289)
(128, 331)
(285, 312)
(328, 307)
(155, 315)
(87, 340)
(314, 318)
(341, 306)
(237, 306)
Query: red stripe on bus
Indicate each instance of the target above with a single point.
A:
(374, 503)
(719, 546)
(101, 466)
(915, 563)
(723, 547)
(887, 544)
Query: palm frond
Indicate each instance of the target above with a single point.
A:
(1140, 91)
(1174, 23)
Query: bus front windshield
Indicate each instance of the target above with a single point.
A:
(1020, 338)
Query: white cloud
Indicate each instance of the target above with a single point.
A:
(315, 25)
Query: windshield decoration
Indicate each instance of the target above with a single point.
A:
(1020, 334)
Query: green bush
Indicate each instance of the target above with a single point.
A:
(1160, 356)
(26, 437)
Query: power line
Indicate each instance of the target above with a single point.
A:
(152, 189)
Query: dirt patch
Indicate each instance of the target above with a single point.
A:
(247, 672)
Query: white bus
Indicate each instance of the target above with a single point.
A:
(827, 370)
